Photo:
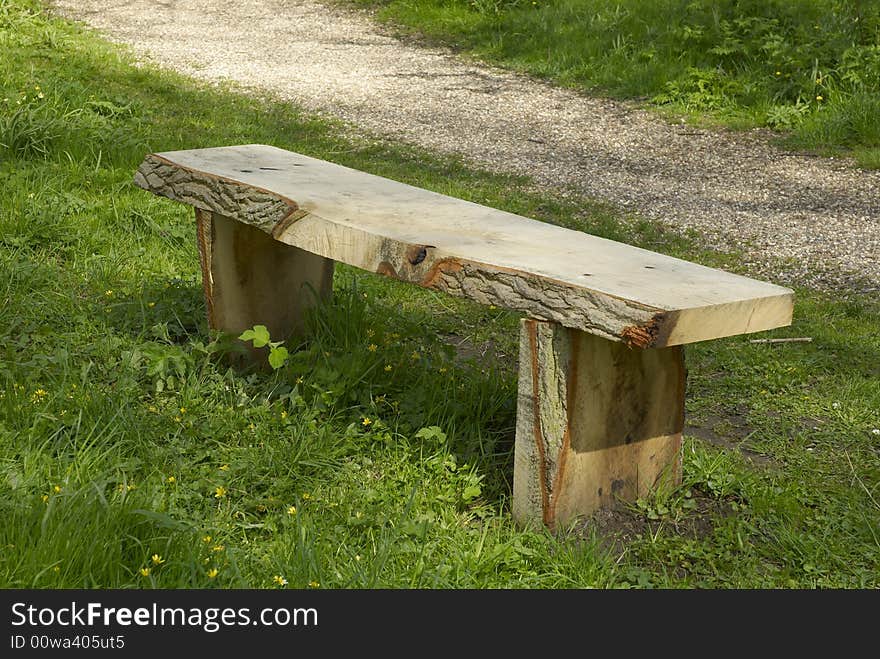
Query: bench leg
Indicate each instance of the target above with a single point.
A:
(596, 422)
(251, 279)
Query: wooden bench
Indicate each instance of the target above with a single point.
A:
(601, 368)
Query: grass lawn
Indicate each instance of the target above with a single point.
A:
(380, 455)
(807, 68)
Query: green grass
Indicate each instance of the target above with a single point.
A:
(123, 435)
(807, 68)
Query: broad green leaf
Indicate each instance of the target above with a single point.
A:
(432, 432)
(259, 335)
(277, 357)
(470, 493)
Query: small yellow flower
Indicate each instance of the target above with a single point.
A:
(442, 369)
(306, 496)
(367, 421)
(183, 410)
(151, 304)
(177, 419)
(278, 579)
(45, 498)
(219, 492)
(38, 395)
(217, 548)
(372, 347)
(315, 584)
(206, 539)
(819, 98)
(291, 510)
(283, 414)
(145, 571)
(357, 557)
(299, 380)
(387, 367)
(157, 560)
(224, 467)
(213, 572)
(108, 293)
(779, 73)
(152, 408)
(56, 569)
(57, 489)
(370, 332)
(129, 488)
(252, 427)
(171, 479)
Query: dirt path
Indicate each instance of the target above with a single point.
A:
(819, 215)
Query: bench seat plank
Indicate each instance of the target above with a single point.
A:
(616, 291)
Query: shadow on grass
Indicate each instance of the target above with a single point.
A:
(364, 357)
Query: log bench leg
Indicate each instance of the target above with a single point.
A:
(597, 422)
(251, 279)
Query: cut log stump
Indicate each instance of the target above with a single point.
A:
(250, 279)
(598, 422)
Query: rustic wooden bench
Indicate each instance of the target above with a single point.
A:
(601, 368)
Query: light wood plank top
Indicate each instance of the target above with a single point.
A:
(582, 281)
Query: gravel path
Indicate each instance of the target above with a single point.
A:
(799, 219)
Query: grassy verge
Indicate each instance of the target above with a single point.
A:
(380, 455)
(807, 68)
